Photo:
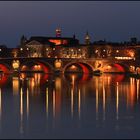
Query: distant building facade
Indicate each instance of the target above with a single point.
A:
(69, 47)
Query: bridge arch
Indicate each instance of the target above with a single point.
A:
(3, 79)
(4, 68)
(36, 66)
(76, 67)
(116, 67)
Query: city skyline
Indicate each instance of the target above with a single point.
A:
(69, 69)
(113, 21)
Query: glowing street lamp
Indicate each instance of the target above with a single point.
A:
(58, 64)
(16, 64)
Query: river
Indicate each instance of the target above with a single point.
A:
(69, 106)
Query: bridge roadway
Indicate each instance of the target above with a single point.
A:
(61, 64)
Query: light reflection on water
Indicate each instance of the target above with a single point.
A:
(69, 106)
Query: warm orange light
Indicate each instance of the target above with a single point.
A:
(27, 105)
(71, 102)
(117, 101)
(109, 67)
(97, 99)
(47, 102)
(79, 103)
(54, 103)
(59, 41)
(125, 58)
(0, 105)
(21, 110)
(132, 92)
(56, 42)
(58, 64)
(137, 85)
(73, 66)
(15, 64)
(37, 67)
(15, 85)
(131, 53)
(104, 102)
(96, 51)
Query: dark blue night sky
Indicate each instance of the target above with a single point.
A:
(113, 21)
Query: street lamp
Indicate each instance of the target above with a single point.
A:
(16, 64)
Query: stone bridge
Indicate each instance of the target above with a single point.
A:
(51, 65)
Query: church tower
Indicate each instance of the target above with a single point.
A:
(87, 39)
(58, 32)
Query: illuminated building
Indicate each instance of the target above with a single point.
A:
(80, 51)
(35, 48)
(120, 51)
(38, 46)
(69, 47)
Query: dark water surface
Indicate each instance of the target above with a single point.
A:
(69, 106)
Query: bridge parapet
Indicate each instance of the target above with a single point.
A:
(59, 64)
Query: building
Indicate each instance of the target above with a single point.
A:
(69, 47)
(38, 46)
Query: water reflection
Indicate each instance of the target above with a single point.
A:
(97, 98)
(79, 103)
(138, 85)
(56, 99)
(27, 105)
(21, 111)
(104, 101)
(47, 102)
(72, 102)
(54, 104)
(117, 101)
(0, 106)
(3, 79)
